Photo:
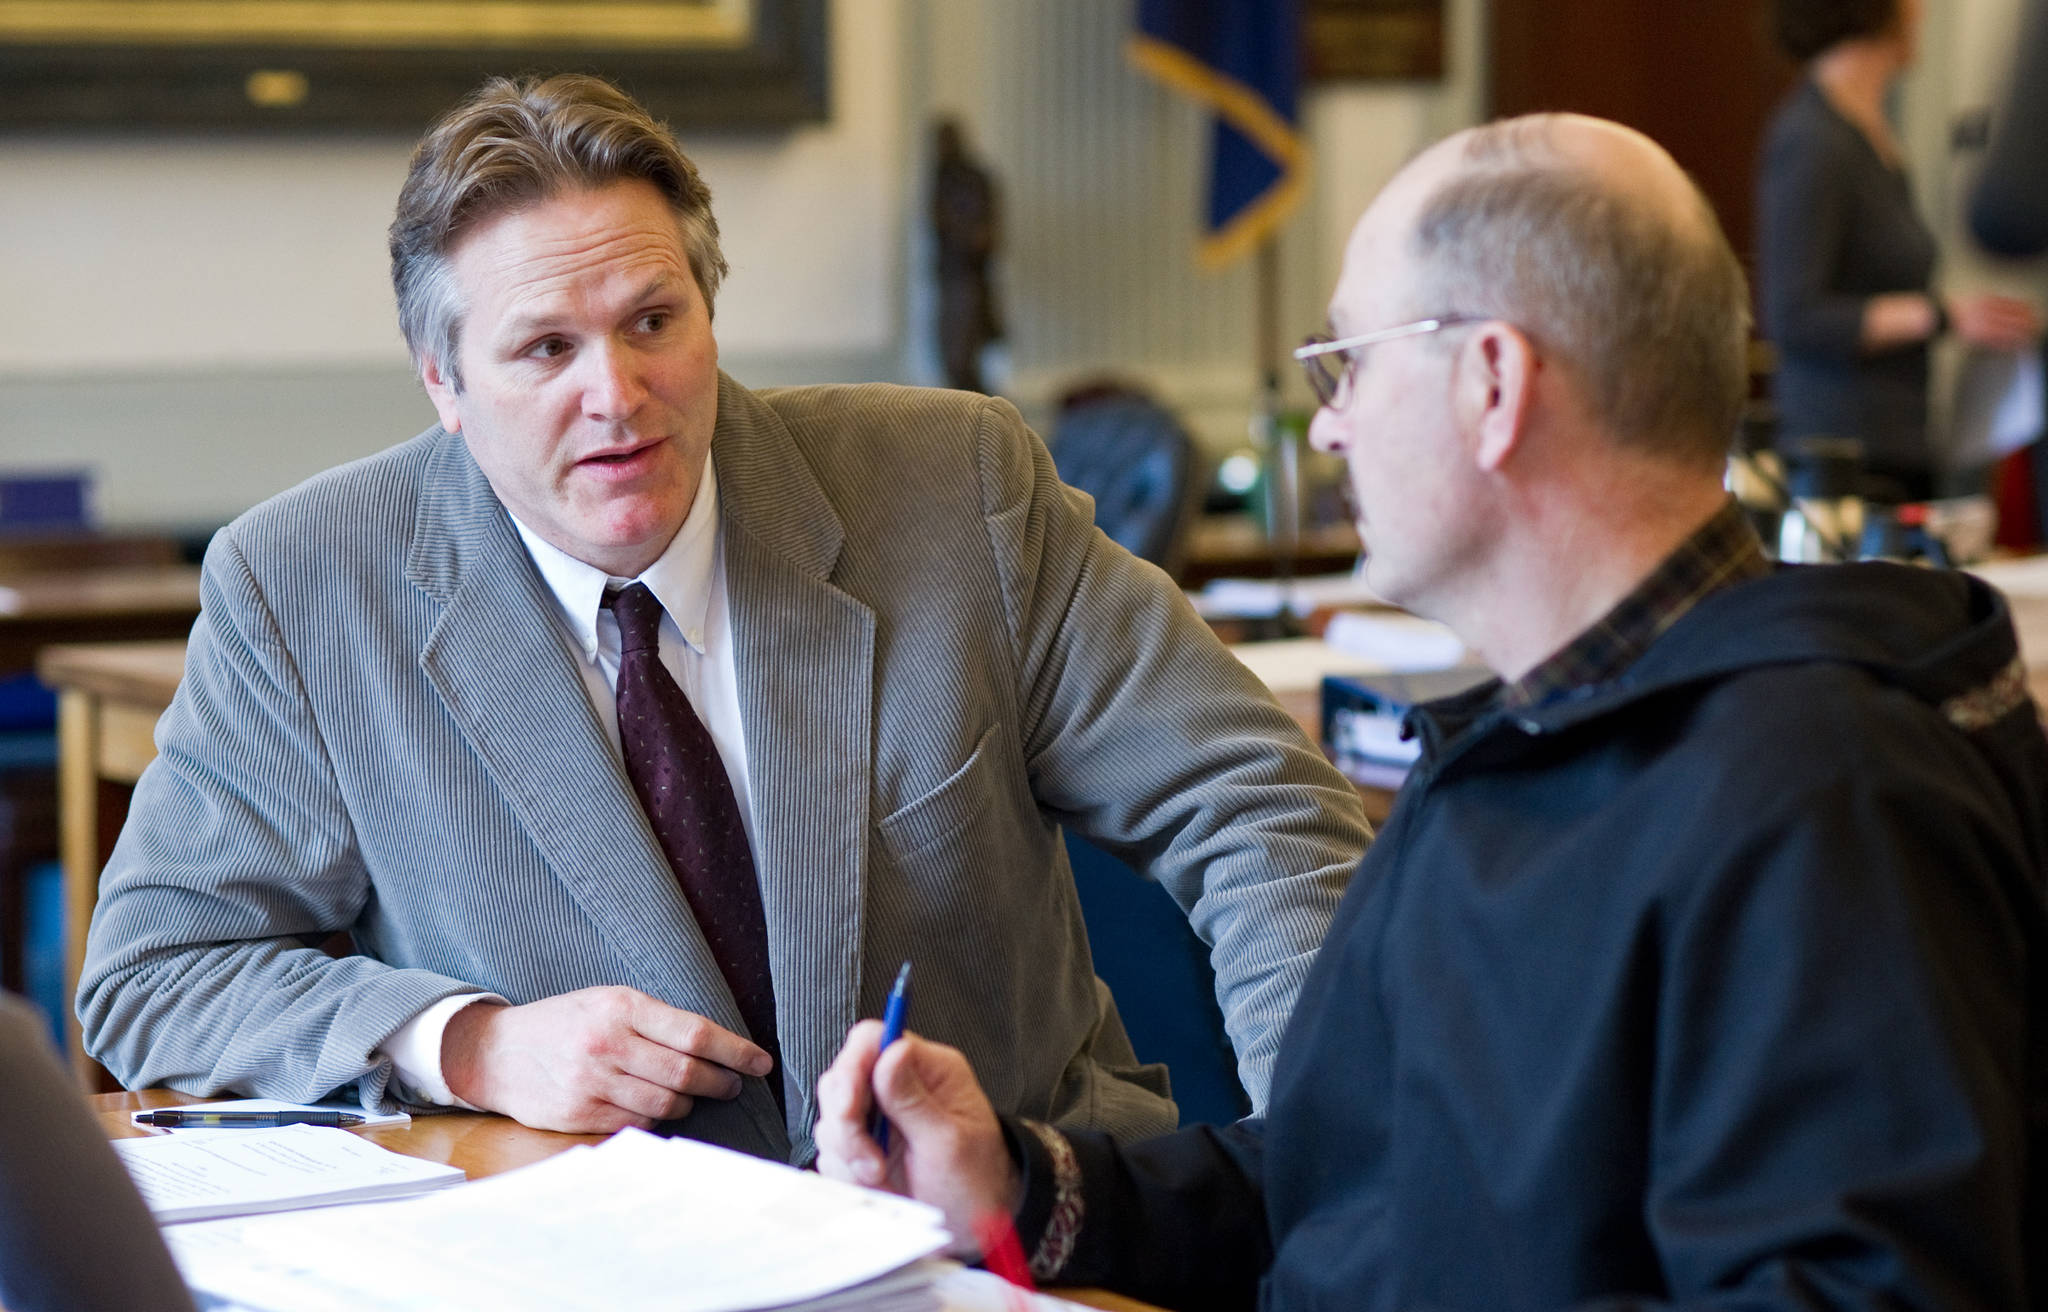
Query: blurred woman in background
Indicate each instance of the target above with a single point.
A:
(1845, 266)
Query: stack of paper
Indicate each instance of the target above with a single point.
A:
(1395, 640)
(637, 1222)
(1253, 598)
(236, 1172)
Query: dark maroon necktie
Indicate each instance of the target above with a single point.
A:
(682, 785)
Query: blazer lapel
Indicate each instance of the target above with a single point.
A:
(541, 741)
(805, 656)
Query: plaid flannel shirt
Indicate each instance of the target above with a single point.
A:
(1725, 551)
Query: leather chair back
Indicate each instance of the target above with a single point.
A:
(1133, 456)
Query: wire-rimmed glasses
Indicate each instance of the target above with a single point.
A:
(1314, 353)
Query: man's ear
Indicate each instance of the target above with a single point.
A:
(1497, 385)
(442, 393)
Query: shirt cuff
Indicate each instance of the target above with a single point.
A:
(1050, 1215)
(414, 1050)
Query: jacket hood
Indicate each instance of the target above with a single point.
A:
(1940, 635)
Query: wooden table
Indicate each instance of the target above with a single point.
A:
(1232, 546)
(478, 1143)
(100, 604)
(109, 697)
(70, 588)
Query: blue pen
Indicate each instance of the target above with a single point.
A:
(892, 1030)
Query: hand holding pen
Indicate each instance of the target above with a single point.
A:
(952, 1151)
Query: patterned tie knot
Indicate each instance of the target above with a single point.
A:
(639, 616)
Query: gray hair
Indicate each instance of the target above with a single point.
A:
(1650, 315)
(511, 144)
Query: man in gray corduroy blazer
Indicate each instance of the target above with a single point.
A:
(915, 655)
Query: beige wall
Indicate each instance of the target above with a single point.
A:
(203, 322)
(1104, 174)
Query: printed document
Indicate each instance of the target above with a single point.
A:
(235, 1172)
(638, 1222)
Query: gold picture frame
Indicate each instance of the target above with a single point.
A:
(393, 65)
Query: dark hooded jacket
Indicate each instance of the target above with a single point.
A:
(1722, 984)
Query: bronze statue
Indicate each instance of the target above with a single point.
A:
(966, 222)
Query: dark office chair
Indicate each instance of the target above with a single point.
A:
(28, 813)
(1159, 973)
(1131, 454)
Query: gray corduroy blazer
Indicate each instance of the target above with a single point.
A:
(382, 729)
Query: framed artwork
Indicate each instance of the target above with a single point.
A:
(1377, 39)
(395, 65)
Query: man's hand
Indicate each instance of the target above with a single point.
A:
(946, 1148)
(593, 1061)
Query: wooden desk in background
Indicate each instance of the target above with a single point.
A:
(109, 697)
(68, 588)
(1233, 546)
(478, 1143)
(98, 604)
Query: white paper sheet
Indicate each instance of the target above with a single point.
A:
(638, 1222)
(965, 1289)
(189, 1178)
(1998, 406)
(1401, 642)
(1255, 598)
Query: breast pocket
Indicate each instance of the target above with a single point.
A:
(947, 811)
(966, 880)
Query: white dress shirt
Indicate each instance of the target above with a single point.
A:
(696, 646)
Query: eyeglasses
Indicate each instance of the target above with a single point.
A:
(1314, 353)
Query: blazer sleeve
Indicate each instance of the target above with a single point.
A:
(202, 969)
(1803, 218)
(1141, 732)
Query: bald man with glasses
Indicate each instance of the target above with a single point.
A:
(1703, 962)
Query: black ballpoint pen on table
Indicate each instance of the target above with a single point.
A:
(176, 1119)
(892, 1030)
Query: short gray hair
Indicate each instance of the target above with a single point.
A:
(511, 144)
(1650, 315)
